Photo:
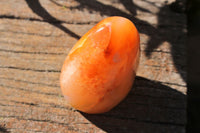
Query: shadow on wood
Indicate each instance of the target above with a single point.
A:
(149, 107)
(37, 8)
(193, 71)
(174, 34)
(3, 130)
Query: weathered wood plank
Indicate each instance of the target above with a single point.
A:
(36, 36)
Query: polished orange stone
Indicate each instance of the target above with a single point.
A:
(100, 69)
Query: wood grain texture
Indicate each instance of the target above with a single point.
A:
(35, 40)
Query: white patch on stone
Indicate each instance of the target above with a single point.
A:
(116, 58)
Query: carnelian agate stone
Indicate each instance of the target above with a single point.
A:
(100, 69)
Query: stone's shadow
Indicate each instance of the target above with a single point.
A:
(37, 8)
(150, 107)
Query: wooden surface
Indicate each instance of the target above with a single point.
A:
(35, 38)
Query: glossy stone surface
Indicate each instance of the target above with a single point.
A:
(100, 69)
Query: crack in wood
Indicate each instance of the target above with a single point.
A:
(38, 92)
(32, 46)
(37, 120)
(24, 130)
(50, 85)
(26, 33)
(7, 105)
(26, 52)
(30, 69)
(104, 115)
(49, 105)
(47, 21)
